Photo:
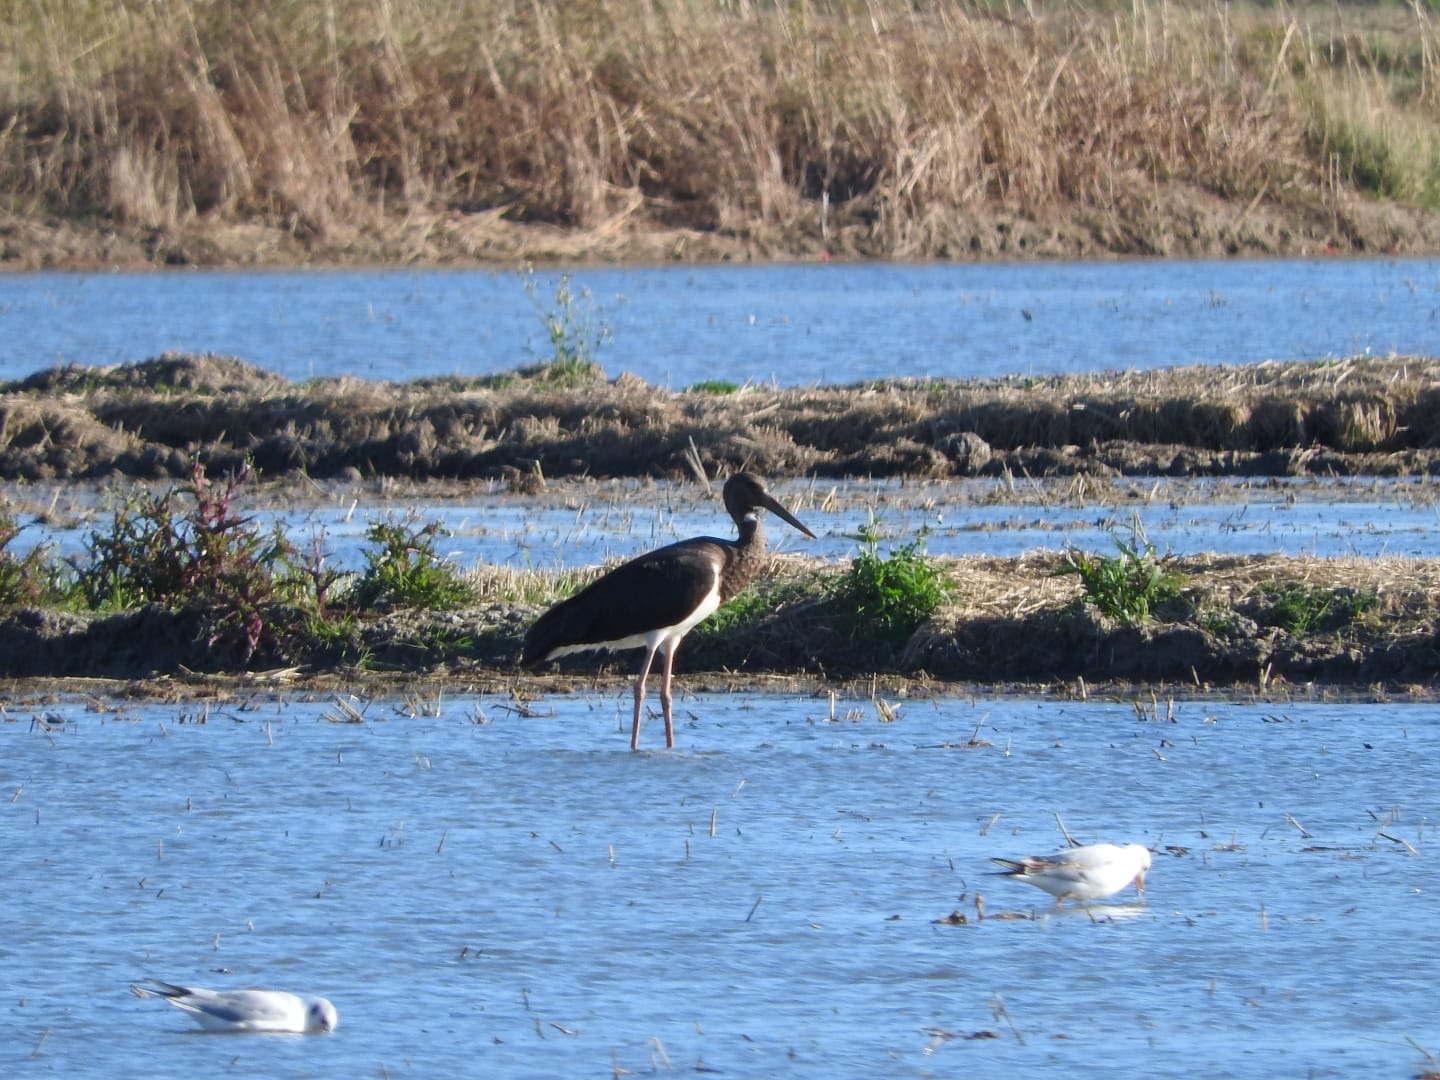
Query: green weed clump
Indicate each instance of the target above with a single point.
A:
(190, 551)
(889, 595)
(403, 570)
(25, 580)
(1127, 586)
(1300, 609)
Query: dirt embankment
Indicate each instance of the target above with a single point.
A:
(1010, 625)
(1182, 221)
(150, 420)
(1008, 622)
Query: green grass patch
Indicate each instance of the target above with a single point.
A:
(1302, 609)
(756, 602)
(714, 387)
(335, 637)
(1128, 585)
(889, 595)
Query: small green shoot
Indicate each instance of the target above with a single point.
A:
(575, 328)
(755, 602)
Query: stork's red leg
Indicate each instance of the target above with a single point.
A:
(640, 698)
(665, 699)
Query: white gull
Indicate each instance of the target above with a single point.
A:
(245, 1010)
(1082, 873)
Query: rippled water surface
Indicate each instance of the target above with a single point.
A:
(795, 325)
(483, 892)
(489, 890)
(577, 525)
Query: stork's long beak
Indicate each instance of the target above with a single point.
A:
(773, 505)
(1140, 881)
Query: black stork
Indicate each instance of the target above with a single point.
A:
(655, 599)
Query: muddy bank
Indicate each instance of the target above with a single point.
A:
(149, 421)
(1007, 624)
(1179, 221)
(1010, 625)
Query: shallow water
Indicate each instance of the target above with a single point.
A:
(794, 325)
(487, 892)
(585, 526)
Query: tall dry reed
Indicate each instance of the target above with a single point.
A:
(890, 118)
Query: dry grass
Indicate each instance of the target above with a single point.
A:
(878, 125)
(495, 584)
(1406, 587)
(1363, 415)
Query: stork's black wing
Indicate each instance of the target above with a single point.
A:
(656, 590)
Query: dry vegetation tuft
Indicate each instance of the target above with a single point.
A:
(878, 128)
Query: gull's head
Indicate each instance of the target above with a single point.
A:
(320, 1015)
(1142, 863)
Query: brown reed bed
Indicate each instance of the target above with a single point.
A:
(1362, 416)
(397, 131)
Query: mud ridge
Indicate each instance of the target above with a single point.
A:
(1361, 416)
(1010, 623)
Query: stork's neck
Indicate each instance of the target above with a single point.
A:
(752, 534)
(745, 559)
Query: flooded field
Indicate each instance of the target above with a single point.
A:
(485, 885)
(479, 888)
(793, 325)
(579, 524)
